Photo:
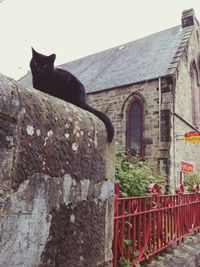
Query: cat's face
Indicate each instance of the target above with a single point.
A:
(41, 64)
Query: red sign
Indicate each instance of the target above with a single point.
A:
(186, 167)
(192, 137)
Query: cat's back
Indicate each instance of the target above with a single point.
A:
(66, 77)
(64, 73)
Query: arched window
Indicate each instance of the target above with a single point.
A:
(135, 127)
(194, 94)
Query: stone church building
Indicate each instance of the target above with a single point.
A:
(150, 89)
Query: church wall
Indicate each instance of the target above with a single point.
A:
(115, 103)
(186, 107)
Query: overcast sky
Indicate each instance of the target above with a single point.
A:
(77, 28)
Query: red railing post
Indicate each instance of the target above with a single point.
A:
(144, 226)
(116, 226)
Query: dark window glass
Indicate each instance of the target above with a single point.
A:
(135, 118)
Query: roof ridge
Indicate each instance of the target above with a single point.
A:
(181, 48)
(118, 46)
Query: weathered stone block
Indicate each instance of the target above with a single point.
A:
(56, 182)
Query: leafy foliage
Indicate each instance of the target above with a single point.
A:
(124, 262)
(134, 176)
(191, 179)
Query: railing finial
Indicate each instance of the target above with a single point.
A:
(154, 189)
(195, 188)
(117, 190)
(179, 189)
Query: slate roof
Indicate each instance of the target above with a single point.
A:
(144, 59)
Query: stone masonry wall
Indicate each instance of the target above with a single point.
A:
(115, 103)
(56, 182)
(183, 109)
(184, 151)
(183, 104)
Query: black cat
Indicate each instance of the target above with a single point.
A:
(62, 84)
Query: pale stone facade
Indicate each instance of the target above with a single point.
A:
(186, 103)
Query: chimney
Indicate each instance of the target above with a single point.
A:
(188, 18)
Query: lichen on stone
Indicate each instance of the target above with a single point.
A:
(30, 130)
(72, 218)
(75, 147)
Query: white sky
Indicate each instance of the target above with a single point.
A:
(77, 28)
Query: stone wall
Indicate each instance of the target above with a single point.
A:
(184, 151)
(115, 102)
(56, 182)
(183, 94)
(186, 79)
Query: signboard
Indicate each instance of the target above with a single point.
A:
(186, 167)
(192, 137)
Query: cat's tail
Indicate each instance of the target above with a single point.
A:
(102, 116)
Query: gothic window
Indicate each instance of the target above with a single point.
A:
(135, 127)
(194, 94)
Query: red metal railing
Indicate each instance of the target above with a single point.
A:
(143, 226)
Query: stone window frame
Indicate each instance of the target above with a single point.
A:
(198, 81)
(194, 82)
(138, 100)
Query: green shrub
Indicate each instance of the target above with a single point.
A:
(191, 179)
(134, 176)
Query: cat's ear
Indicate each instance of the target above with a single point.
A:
(52, 57)
(33, 51)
